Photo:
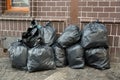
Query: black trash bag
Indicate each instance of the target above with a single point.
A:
(60, 56)
(18, 54)
(49, 34)
(70, 36)
(32, 35)
(33, 23)
(97, 58)
(75, 55)
(40, 58)
(94, 35)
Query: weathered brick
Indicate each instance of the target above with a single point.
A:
(114, 29)
(116, 41)
(109, 9)
(86, 8)
(104, 3)
(110, 40)
(115, 3)
(98, 9)
(93, 3)
(103, 15)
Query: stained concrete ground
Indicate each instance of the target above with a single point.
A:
(66, 73)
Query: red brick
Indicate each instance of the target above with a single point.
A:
(114, 29)
(56, 26)
(60, 13)
(82, 3)
(46, 0)
(118, 31)
(84, 14)
(9, 33)
(4, 33)
(45, 8)
(103, 15)
(115, 15)
(112, 52)
(15, 25)
(64, 8)
(116, 41)
(108, 26)
(110, 40)
(114, 59)
(91, 14)
(3, 25)
(115, 3)
(98, 9)
(103, 3)
(118, 52)
(50, 4)
(39, 9)
(86, 9)
(109, 9)
(92, 3)
(118, 9)
(60, 3)
(56, 8)
(42, 13)
(50, 13)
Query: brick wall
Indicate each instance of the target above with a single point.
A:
(105, 10)
(58, 11)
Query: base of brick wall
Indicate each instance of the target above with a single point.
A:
(3, 52)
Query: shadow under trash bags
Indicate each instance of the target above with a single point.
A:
(40, 49)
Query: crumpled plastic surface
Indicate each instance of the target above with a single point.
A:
(97, 58)
(75, 55)
(49, 34)
(70, 36)
(40, 58)
(18, 55)
(31, 36)
(94, 35)
(60, 55)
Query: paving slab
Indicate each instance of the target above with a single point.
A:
(66, 73)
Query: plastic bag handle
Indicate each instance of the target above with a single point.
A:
(33, 22)
(97, 21)
(48, 23)
(91, 28)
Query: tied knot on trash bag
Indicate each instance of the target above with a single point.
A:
(70, 36)
(94, 35)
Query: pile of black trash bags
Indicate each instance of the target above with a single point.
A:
(40, 48)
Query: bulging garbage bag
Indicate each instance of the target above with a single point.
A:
(31, 36)
(97, 58)
(75, 56)
(49, 34)
(40, 58)
(94, 35)
(18, 55)
(60, 56)
(70, 36)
